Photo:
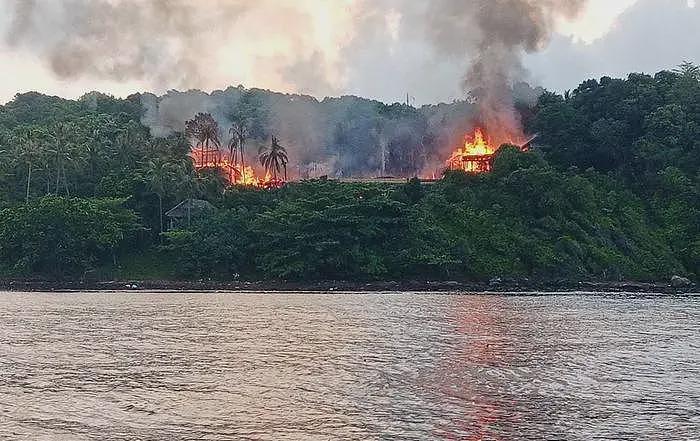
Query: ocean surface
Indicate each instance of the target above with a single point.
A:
(231, 366)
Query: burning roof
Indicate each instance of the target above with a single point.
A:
(476, 156)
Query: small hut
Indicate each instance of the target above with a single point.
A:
(182, 214)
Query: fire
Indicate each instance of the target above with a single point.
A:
(235, 173)
(476, 155)
(243, 177)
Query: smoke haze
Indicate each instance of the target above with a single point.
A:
(186, 44)
(176, 43)
(377, 48)
(429, 50)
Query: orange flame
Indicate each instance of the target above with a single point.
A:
(476, 155)
(234, 172)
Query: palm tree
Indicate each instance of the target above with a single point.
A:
(158, 177)
(239, 132)
(204, 130)
(233, 150)
(188, 184)
(27, 151)
(63, 151)
(688, 70)
(233, 159)
(274, 159)
(125, 147)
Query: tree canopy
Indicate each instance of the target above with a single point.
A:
(610, 190)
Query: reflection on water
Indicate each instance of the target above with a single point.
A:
(128, 366)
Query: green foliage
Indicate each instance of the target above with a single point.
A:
(643, 131)
(215, 247)
(524, 219)
(611, 189)
(60, 236)
(330, 232)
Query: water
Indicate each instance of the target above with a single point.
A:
(139, 366)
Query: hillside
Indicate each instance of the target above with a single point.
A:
(611, 191)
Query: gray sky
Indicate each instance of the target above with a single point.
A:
(652, 35)
(371, 48)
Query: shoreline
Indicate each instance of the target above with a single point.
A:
(346, 286)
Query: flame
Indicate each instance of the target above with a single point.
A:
(233, 171)
(475, 156)
(245, 176)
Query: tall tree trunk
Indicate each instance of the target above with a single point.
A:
(65, 183)
(285, 172)
(206, 152)
(58, 174)
(160, 212)
(383, 147)
(232, 164)
(241, 141)
(29, 180)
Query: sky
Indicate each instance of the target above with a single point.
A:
(371, 48)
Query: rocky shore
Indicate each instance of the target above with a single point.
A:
(493, 286)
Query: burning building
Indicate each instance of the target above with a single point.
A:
(206, 153)
(475, 157)
(234, 172)
(477, 154)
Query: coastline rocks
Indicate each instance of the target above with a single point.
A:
(680, 282)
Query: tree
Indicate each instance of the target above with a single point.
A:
(159, 175)
(129, 138)
(379, 132)
(274, 159)
(188, 184)
(27, 152)
(688, 70)
(233, 150)
(62, 236)
(239, 132)
(212, 247)
(64, 152)
(204, 130)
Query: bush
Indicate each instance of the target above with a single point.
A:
(61, 236)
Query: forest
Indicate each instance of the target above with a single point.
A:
(609, 192)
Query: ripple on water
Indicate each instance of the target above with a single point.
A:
(125, 366)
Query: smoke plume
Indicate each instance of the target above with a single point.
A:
(164, 44)
(317, 47)
(495, 35)
(305, 46)
(156, 41)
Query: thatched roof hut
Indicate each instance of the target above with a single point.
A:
(182, 214)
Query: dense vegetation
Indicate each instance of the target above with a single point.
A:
(611, 192)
